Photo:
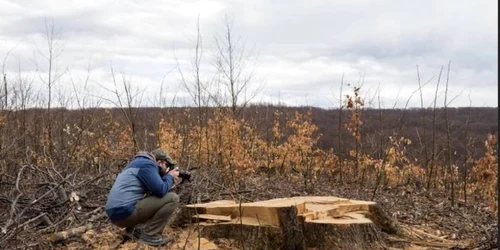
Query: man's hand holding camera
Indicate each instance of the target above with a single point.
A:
(175, 173)
(170, 170)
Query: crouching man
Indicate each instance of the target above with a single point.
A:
(140, 200)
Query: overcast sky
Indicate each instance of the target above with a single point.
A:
(296, 51)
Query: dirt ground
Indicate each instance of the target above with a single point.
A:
(473, 223)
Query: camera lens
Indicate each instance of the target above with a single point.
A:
(185, 175)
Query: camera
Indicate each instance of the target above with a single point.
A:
(185, 175)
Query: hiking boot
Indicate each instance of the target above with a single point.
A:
(132, 233)
(154, 240)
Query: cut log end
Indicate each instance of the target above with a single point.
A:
(290, 223)
(64, 235)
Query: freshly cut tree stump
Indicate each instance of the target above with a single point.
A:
(307, 222)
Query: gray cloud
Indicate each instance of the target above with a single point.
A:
(302, 47)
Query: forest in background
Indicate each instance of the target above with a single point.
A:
(378, 148)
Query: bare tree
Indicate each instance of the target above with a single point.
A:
(422, 112)
(5, 91)
(469, 144)
(449, 159)
(382, 136)
(430, 174)
(232, 64)
(23, 94)
(131, 98)
(14, 132)
(196, 88)
(54, 50)
(84, 105)
(339, 127)
(127, 101)
(448, 139)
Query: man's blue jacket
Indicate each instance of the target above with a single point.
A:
(140, 176)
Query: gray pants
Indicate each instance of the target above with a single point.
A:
(153, 212)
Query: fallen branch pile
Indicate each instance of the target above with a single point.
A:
(44, 201)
